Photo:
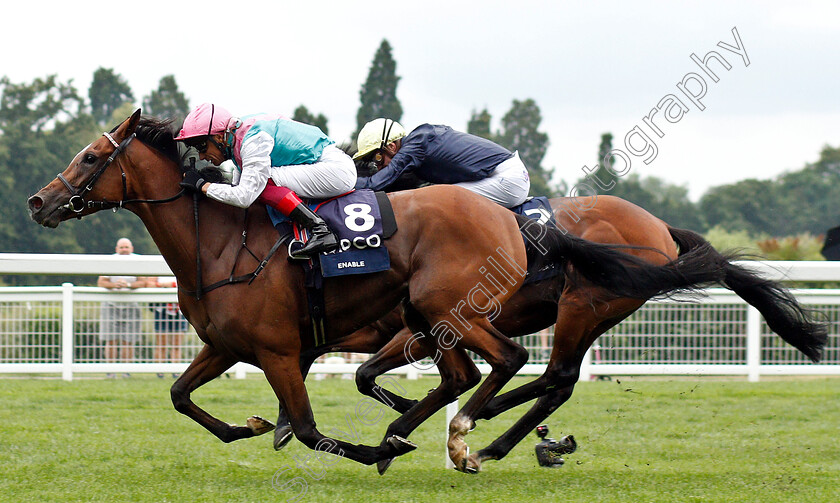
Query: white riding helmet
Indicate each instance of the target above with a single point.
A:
(376, 134)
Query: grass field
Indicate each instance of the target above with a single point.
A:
(640, 440)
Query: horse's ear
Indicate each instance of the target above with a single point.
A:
(131, 126)
(127, 127)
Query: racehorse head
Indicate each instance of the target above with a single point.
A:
(87, 177)
(101, 175)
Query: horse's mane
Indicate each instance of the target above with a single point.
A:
(158, 134)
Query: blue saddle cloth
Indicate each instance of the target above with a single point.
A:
(539, 209)
(356, 220)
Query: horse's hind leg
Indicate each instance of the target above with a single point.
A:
(574, 332)
(206, 366)
(392, 356)
(577, 328)
(544, 407)
(458, 373)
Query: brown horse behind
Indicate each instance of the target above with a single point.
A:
(578, 321)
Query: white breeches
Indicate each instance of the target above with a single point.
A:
(334, 173)
(507, 186)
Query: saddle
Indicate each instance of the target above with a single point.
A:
(361, 220)
(539, 209)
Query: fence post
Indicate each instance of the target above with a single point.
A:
(67, 331)
(411, 372)
(586, 366)
(753, 344)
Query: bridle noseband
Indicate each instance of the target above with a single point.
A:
(77, 202)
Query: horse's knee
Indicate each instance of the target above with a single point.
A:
(471, 379)
(307, 435)
(365, 379)
(180, 398)
(513, 361)
(561, 376)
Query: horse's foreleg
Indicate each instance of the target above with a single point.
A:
(283, 431)
(365, 340)
(284, 376)
(206, 366)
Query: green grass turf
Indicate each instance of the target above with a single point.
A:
(640, 440)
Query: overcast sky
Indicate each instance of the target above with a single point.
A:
(592, 67)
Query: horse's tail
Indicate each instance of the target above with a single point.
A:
(784, 315)
(620, 274)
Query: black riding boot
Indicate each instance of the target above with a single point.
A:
(321, 238)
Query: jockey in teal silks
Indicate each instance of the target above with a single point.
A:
(278, 160)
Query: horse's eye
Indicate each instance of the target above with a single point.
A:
(89, 159)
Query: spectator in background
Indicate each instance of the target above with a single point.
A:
(544, 354)
(170, 325)
(119, 325)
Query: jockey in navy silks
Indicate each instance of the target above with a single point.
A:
(278, 160)
(439, 154)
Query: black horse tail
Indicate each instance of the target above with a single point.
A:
(784, 315)
(618, 273)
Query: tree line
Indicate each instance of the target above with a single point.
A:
(44, 123)
(797, 206)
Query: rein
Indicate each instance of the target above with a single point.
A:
(77, 202)
(231, 279)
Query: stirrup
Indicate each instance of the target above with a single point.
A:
(326, 247)
(291, 252)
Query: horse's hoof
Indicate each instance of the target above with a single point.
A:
(282, 436)
(400, 444)
(565, 445)
(460, 458)
(259, 425)
(467, 467)
(383, 465)
(473, 463)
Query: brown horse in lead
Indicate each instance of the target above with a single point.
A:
(439, 257)
(578, 321)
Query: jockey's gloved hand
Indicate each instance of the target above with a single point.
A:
(193, 181)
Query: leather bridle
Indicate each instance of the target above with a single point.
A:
(77, 203)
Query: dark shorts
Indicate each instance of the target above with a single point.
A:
(167, 323)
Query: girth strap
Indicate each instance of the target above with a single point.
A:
(250, 277)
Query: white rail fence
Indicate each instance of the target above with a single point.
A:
(56, 330)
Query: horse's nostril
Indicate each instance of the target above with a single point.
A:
(35, 203)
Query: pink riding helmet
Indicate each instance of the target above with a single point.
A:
(198, 122)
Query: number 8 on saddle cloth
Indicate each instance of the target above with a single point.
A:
(356, 218)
